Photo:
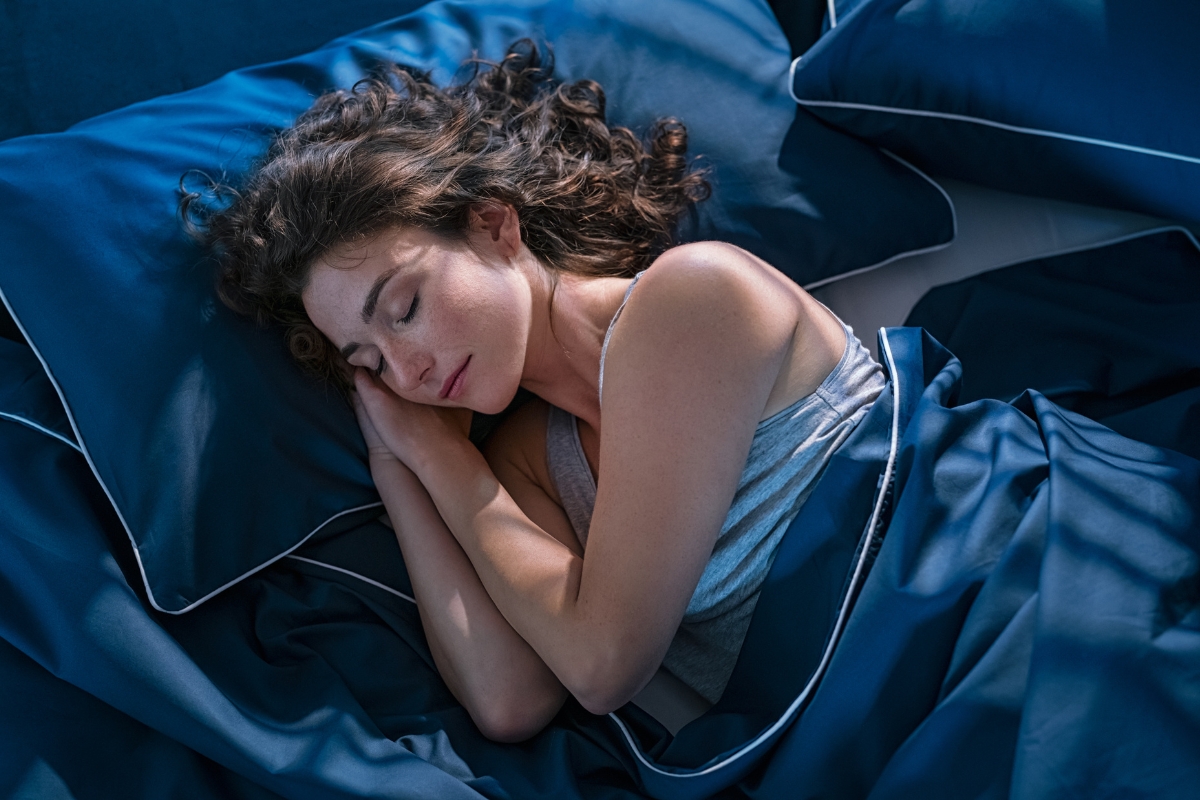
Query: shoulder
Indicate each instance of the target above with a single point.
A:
(702, 269)
(711, 290)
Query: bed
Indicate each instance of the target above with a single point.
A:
(999, 573)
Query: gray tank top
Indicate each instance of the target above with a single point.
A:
(787, 454)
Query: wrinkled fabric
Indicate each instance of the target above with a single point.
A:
(1110, 333)
(1026, 623)
(247, 457)
(1091, 101)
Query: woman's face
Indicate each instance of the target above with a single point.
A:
(442, 322)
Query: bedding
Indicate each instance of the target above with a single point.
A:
(187, 610)
(995, 229)
(65, 61)
(250, 457)
(1108, 333)
(944, 650)
(1089, 102)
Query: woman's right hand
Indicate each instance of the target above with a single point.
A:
(409, 431)
(376, 449)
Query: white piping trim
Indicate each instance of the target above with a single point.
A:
(907, 253)
(79, 441)
(92, 464)
(1070, 137)
(898, 256)
(1066, 251)
(843, 614)
(362, 578)
(40, 428)
(832, 6)
(792, 77)
(265, 564)
(1082, 248)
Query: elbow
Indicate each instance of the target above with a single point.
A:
(603, 702)
(516, 716)
(607, 683)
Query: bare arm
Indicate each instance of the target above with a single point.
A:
(505, 686)
(699, 350)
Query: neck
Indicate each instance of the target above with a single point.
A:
(562, 362)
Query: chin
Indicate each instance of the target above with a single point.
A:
(495, 402)
(489, 407)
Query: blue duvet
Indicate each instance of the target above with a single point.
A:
(981, 600)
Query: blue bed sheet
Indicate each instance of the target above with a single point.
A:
(996, 599)
(1109, 333)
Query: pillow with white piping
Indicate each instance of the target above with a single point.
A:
(1091, 102)
(218, 454)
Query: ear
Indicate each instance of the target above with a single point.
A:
(499, 223)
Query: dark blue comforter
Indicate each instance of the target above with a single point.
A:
(978, 601)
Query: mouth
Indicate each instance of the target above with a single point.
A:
(453, 386)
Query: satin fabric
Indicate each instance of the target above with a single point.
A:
(1092, 102)
(218, 455)
(1026, 622)
(1109, 333)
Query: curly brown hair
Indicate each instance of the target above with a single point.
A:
(397, 150)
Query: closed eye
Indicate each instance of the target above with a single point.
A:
(407, 318)
(412, 309)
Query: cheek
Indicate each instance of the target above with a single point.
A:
(510, 319)
(496, 310)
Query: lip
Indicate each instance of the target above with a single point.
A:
(453, 386)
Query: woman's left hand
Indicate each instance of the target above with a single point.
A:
(408, 430)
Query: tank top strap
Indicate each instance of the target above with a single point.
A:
(609, 332)
(569, 471)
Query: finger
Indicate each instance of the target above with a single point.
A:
(360, 410)
(365, 394)
(362, 380)
(368, 389)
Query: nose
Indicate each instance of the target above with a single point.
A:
(410, 366)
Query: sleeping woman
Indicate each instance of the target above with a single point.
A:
(437, 249)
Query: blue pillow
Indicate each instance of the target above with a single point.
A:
(1093, 102)
(218, 454)
(163, 47)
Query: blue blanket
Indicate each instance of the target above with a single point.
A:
(977, 600)
(1110, 333)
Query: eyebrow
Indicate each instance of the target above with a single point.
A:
(368, 309)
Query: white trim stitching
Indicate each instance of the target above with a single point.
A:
(362, 578)
(263, 565)
(91, 464)
(1082, 248)
(1066, 251)
(912, 112)
(931, 249)
(885, 151)
(40, 429)
(843, 614)
(907, 253)
(1127, 237)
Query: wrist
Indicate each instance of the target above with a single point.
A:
(380, 456)
(439, 459)
(386, 469)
